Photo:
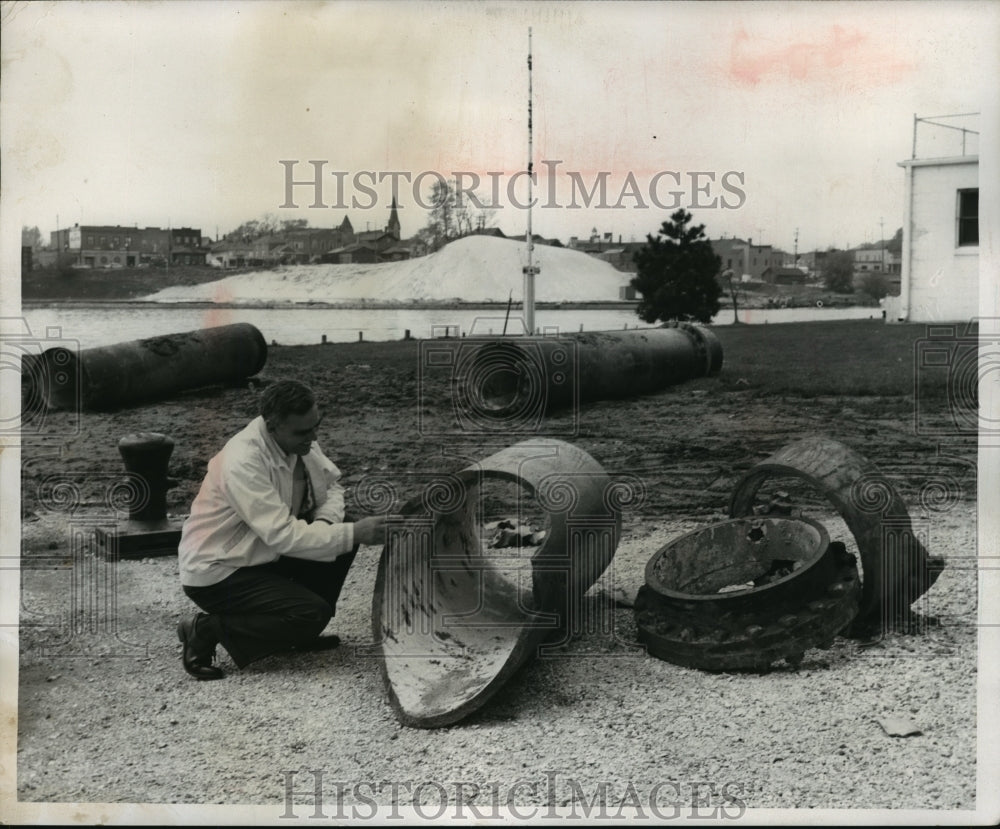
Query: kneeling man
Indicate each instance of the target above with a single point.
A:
(266, 548)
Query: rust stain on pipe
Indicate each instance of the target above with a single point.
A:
(453, 619)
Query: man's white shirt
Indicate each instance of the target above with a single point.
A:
(242, 515)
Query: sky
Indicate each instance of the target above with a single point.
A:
(761, 119)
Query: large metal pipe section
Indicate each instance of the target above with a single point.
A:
(897, 568)
(454, 619)
(133, 372)
(518, 378)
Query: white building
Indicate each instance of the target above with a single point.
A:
(940, 268)
(879, 260)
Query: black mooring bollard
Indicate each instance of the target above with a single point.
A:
(147, 531)
(146, 456)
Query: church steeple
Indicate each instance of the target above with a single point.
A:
(393, 226)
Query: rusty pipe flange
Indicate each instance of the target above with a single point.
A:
(761, 629)
(706, 344)
(781, 556)
(896, 568)
(454, 620)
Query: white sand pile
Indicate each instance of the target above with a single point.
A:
(474, 269)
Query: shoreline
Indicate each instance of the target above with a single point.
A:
(375, 305)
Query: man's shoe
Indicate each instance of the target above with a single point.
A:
(197, 661)
(320, 643)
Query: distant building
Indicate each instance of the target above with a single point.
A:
(354, 253)
(368, 246)
(377, 240)
(806, 259)
(596, 243)
(878, 259)
(619, 254)
(230, 254)
(305, 245)
(185, 247)
(409, 250)
(745, 258)
(115, 246)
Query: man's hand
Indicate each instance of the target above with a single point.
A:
(370, 530)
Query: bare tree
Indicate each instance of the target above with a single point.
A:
(735, 292)
(31, 237)
(454, 214)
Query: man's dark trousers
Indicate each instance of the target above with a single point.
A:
(258, 611)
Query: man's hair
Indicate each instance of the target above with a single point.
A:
(284, 398)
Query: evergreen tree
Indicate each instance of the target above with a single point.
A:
(677, 273)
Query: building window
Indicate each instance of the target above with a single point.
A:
(968, 217)
(90, 241)
(104, 241)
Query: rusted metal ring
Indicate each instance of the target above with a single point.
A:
(688, 572)
(896, 568)
(764, 629)
(454, 620)
(706, 344)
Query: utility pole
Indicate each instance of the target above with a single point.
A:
(881, 228)
(796, 262)
(530, 270)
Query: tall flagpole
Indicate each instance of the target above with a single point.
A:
(530, 270)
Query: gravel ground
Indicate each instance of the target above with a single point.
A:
(131, 727)
(106, 715)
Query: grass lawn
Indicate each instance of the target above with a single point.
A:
(851, 357)
(855, 358)
(123, 283)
